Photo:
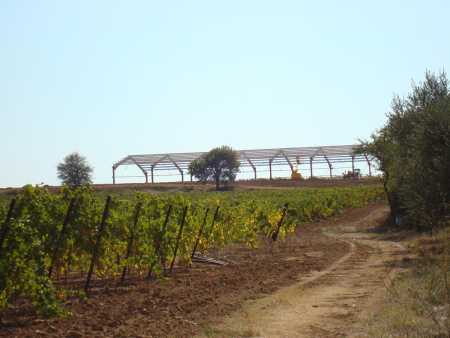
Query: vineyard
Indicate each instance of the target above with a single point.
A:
(80, 236)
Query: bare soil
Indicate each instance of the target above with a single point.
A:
(327, 303)
(313, 284)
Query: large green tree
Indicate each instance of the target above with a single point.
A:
(220, 165)
(74, 171)
(413, 149)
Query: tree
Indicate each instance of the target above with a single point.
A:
(219, 165)
(74, 171)
(413, 149)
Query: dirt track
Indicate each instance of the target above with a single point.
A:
(325, 303)
(310, 285)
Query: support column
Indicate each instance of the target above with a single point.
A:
(250, 162)
(114, 175)
(353, 163)
(146, 177)
(191, 177)
(151, 172)
(270, 169)
(288, 161)
(369, 164)
(178, 167)
(310, 168)
(329, 166)
(140, 167)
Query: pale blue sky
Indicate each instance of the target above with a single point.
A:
(111, 78)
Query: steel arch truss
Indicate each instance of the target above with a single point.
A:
(254, 158)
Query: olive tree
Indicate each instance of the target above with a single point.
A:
(74, 170)
(220, 165)
(413, 149)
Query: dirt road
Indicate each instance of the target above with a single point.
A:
(326, 303)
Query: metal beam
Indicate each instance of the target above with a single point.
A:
(250, 162)
(287, 160)
(142, 169)
(252, 158)
(178, 167)
(124, 160)
(369, 164)
(329, 165)
(270, 169)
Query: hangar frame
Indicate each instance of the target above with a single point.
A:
(254, 158)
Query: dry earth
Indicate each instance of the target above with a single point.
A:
(314, 284)
(327, 303)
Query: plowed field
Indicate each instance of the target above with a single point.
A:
(209, 299)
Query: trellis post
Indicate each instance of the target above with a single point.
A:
(180, 233)
(158, 242)
(137, 212)
(97, 243)
(211, 230)
(280, 222)
(200, 233)
(61, 236)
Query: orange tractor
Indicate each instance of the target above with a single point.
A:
(295, 175)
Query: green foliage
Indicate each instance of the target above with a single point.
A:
(413, 150)
(74, 171)
(220, 165)
(243, 217)
(22, 258)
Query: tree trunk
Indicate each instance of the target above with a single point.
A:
(392, 201)
(217, 179)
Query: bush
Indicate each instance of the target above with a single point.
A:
(413, 150)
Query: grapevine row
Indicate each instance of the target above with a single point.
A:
(45, 236)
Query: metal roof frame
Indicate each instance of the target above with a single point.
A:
(148, 163)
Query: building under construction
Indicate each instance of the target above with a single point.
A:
(258, 160)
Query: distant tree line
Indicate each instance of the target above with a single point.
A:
(413, 150)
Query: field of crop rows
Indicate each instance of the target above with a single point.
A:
(85, 238)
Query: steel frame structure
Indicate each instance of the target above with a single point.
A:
(149, 163)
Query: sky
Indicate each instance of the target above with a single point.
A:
(112, 78)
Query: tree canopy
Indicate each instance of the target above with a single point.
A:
(220, 165)
(413, 149)
(74, 171)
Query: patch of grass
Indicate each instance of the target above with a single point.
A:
(418, 302)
